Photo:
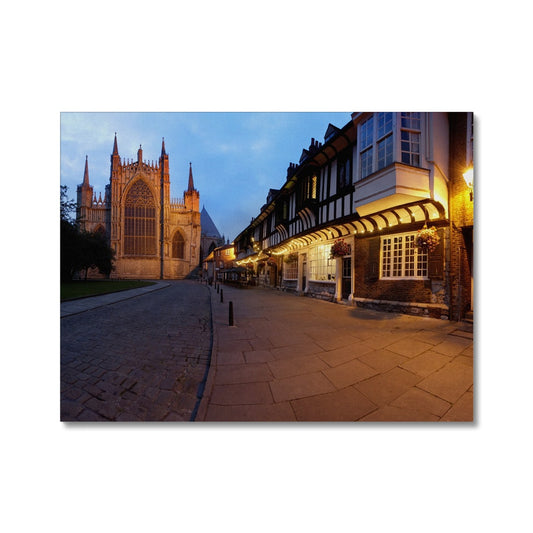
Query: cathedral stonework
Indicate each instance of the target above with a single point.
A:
(154, 236)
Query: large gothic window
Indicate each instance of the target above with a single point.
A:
(178, 246)
(139, 221)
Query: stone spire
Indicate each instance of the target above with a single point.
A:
(86, 173)
(191, 181)
(115, 159)
(163, 152)
(115, 147)
(191, 196)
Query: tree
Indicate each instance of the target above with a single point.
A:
(67, 207)
(81, 250)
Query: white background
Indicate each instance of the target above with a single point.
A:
(282, 56)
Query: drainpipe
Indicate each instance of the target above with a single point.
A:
(450, 225)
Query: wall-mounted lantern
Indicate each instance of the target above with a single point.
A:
(468, 176)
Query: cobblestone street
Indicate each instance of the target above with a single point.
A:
(140, 359)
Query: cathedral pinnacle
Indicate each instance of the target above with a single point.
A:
(191, 182)
(86, 173)
(163, 148)
(115, 147)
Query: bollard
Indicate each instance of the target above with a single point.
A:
(231, 313)
(221, 296)
(218, 289)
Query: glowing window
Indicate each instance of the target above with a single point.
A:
(322, 266)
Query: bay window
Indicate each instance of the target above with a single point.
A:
(387, 137)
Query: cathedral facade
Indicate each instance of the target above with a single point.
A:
(153, 235)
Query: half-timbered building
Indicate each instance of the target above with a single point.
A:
(377, 215)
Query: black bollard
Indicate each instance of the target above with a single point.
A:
(218, 289)
(231, 313)
(221, 296)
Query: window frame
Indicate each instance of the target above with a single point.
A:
(290, 270)
(411, 137)
(399, 260)
(322, 267)
(376, 143)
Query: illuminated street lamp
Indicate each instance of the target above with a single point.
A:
(468, 176)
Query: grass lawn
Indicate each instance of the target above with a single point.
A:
(80, 289)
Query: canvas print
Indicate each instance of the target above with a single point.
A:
(267, 267)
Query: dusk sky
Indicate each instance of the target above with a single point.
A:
(236, 157)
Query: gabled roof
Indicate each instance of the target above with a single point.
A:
(330, 132)
(208, 226)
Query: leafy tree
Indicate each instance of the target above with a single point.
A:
(81, 250)
(67, 206)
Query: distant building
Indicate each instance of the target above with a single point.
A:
(217, 264)
(379, 215)
(153, 235)
(210, 237)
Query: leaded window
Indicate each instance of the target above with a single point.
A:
(384, 139)
(322, 265)
(366, 139)
(401, 258)
(290, 269)
(410, 139)
(376, 143)
(139, 221)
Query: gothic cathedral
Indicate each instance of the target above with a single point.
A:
(154, 236)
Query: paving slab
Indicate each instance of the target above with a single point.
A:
(384, 388)
(349, 373)
(279, 412)
(242, 394)
(383, 360)
(346, 405)
(294, 366)
(426, 363)
(420, 400)
(300, 386)
(390, 413)
(243, 373)
(449, 382)
(462, 410)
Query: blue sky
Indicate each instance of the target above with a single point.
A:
(236, 157)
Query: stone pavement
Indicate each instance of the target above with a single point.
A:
(137, 355)
(291, 358)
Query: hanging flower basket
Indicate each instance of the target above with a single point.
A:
(290, 258)
(340, 249)
(427, 239)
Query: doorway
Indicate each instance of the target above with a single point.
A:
(346, 288)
